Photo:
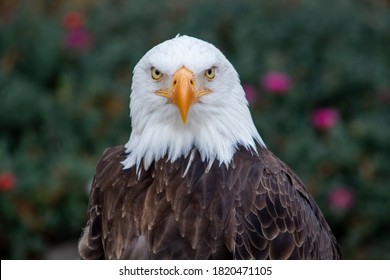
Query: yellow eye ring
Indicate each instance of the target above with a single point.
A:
(210, 73)
(156, 74)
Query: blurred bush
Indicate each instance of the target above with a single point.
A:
(316, 74)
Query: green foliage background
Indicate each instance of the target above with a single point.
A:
(61, 107)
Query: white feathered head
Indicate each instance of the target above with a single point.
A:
(186, 95)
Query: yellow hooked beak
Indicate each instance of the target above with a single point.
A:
(183, 92)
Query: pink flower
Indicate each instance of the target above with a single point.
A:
(341, 198)
(276, 82)
(7, 181)
(78, 38)
(325, 118)
(250, 93)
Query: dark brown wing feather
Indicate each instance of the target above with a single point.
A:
(280, 220)
(255, 209)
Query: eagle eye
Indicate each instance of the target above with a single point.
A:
(210, 73)
(156, 74)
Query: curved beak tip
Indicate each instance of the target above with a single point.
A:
(184, 108)
(184, 120)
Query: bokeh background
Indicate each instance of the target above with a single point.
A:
(316, 74)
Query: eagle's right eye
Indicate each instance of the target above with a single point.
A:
(156, 74)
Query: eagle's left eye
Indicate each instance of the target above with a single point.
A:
(210, 73)
(156, 74)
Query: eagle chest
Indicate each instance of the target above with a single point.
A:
(177, 208)
(252, 209)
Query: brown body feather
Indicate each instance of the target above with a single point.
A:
(256, 208)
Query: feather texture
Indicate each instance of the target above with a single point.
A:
(256, 208)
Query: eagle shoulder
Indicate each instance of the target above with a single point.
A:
(276, 216)
(107, 175)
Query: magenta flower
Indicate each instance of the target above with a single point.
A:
(78, 38)
(7, 181)
(325, 118)
(250, 93)
(276, 82)
(341, 198)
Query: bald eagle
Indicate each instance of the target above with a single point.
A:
(195, 180)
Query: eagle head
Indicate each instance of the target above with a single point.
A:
(186, 95)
